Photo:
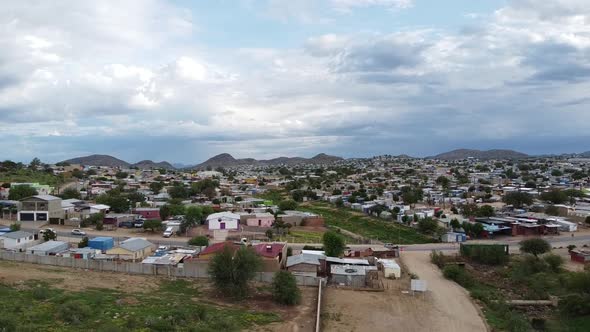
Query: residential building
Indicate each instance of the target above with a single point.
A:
(41, 208)
(16, 240)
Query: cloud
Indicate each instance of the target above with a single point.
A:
(348, 5)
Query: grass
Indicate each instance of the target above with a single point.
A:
(27, 175)
(369, 227)
(300, 236)
(35, 305)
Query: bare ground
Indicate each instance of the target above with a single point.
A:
(445, 307)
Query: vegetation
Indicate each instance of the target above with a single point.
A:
(333, 244)
(14, 227)
(369, 227)
(284, 288)
(49, 235)
(70, 193)
(200, 241)
(83, 243)
(35, 306)
(231, 272)
(536, 246)
(288, 204)
(491, 254)
(518, 199)
(19, 192)
(152, 225)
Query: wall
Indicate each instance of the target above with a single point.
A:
(192, 269)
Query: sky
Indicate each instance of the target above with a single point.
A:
(185, 80)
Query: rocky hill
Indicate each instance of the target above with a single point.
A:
(98, 160)
(479, 154)
(148, 164)
(227, 160)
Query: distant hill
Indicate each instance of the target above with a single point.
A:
(147, 164)
(227, 160)
(98, 160)
(478, 154)
(585, 154)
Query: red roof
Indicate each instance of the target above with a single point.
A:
(218, 247)
(271, 252)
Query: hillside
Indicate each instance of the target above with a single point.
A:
(148, 164)
(479, 154)
(98, 160)
(227, 160)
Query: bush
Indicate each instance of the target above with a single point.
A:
(437, 258)
(536, 246)
(284, 288)
(74, 311)
(200, 241)
(333, 244)
(554, 261)
(288, 204)
(575, 305)
(14, 227)
(491, 254)
(458, 275)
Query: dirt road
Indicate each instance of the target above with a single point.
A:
(446, 307)
(454, 310)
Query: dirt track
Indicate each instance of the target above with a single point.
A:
(446, 307)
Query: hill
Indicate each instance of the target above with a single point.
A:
(147, 164)
(227, 160)
(479, 154)
(98, 160)
(585, 154)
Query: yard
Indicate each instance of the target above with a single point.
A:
(369, 227)
(59, 299)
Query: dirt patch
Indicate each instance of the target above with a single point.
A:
(445, 307)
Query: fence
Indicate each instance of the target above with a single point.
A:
(191, 269)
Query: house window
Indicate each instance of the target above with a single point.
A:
(259, 222)
(18, 241)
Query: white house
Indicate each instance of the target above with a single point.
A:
(223, 220)
(15, 240)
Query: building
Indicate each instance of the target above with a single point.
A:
(261, 220)
(48, 248)
(102, 243)
(213, 249)
(305, 264)
(41, 208)
(16, 240)
(350, 275)
(451, 237)
(274, 255)
(148, 213)
(580, 256)
(223, 220)
(132, 249)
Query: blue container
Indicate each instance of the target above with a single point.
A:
(102, 243)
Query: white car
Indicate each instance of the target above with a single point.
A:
(77, 231)
(43, 231)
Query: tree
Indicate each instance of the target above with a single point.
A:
(518, 199)
(199, 241)
(155, 187)
(115, 201)
(486, 211)
(35, 163)
(83, 243)
(70, 193)
(333, 244)
(536, 246)
(288, 204)
(14, 227)
(152, 224)
(209, 192)
(555, 196)
(455, 224)
(269, 233)
(178, 191)
(443, 181)
(477, 229)
(192, 217)
(22, 191)
(469, 210)
(428, 226)
(552, 210)
(284, 288)
(49, 235)
(121, 175)
(231, 272)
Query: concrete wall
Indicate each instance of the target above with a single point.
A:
(190, 269)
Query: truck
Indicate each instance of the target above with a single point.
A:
(170, 230)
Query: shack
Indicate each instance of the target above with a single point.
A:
(48, 248)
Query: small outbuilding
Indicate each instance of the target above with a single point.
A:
(48, 248)
(102, 243)
(348, 275)
(16, 240)
(390, 268)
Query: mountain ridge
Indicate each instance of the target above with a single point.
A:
(460, 154)
(227, 160)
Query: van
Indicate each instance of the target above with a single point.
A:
(168, 232)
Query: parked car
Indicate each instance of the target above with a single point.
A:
(43, 231)
(138, 224)
(126, 224)
(77, 231)
(168, 232)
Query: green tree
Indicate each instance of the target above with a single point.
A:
(155, 187)
(35, 163)
(178, 191)
(486, 211)
(70, 193)
(269, 234)
(17, 193)
(14, 227)
(288, 205)
(199, 241)
(232, 272)
(83, 243)
(535, 246)
(192, 217)
(555, 196)
(49, 235)
(517, 199)
(115, 201)
(428, 226)
(552, 210)
(152, 224)
(455, 224)
(121, 175)
(333, 244)
(284, 288)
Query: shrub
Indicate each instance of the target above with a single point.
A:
(40, 293)
(333, 244)
(491, 254)
(74, 311)
(536, 246)
(231, 272)
(14, 227)
(284, 288)
(554, 261)
(201, 241)
(458, 275)
(437, 258)
(571, 247)
(575, 305)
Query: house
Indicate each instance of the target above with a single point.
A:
(148, 213)
(49, 248)
(223, 220)
(16, 240)
(451, 237)
(580, 256)
(261, 220)
(132, 249)
(305, 264)
(213, 249)
(41, 208)
(273, 255)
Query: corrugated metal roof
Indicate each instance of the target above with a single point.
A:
(135, 244)
(303, 259)
(17, 235)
